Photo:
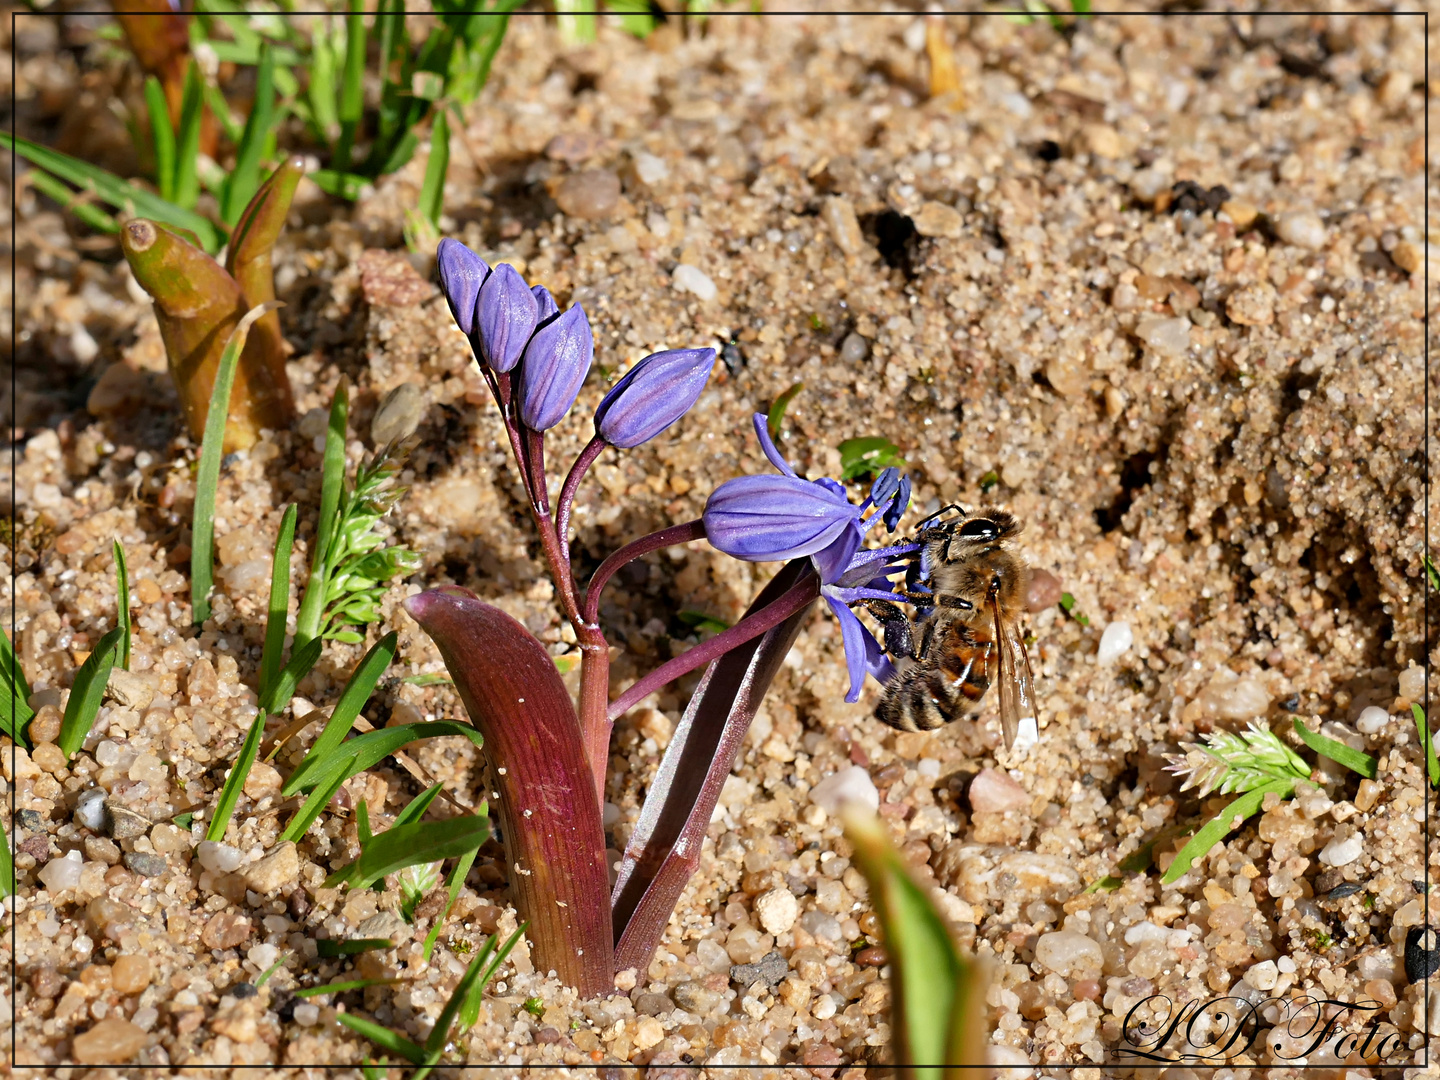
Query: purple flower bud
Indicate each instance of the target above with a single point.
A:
(653, 394)
(899, 506)
(462, 272)
(770, 518)
(505, 317)
(556, 362)
(548, 308)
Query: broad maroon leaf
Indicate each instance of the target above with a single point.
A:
(543, 790)
(664, 849)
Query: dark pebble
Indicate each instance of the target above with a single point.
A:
(299, 904)
(1420, 962)
(1344, 889)
(123, 824)
(1049, 150)
(1418, 886)
(874, 956)
(242, 990)
(733, 357)
(1329, 879)
(29, 819)
(547, 1035)
(769, 969)
(285, 1009)
(143, 863)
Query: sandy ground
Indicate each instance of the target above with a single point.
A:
(1204, 405)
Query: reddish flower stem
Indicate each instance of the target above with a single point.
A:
(572, 484)
(675, 534)
(751, 626)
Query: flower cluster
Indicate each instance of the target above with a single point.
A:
(768, 518)
(519, 332)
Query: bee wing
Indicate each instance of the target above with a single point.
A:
(1017, 683)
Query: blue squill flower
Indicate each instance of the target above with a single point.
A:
(462, 273)
(769, 518)
(555, 364)
(548, 308)
(505, 317)
(653, 394)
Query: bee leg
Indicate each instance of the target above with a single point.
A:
(899, 642)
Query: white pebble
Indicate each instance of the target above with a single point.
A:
(847, 785)
(928, 766)
(83, 345)
(1301, 228)
(777, 910)
(609, 815)
(307, 1015)
(1069, 954)
(1286, 965)
(824, 1007)
(107, 752)
(218, 858)
(1263, 976)
(1412, 683)
(48, 927)
(1146, 931)
(694, 280)
(63, 873)
(650, 169)
(1011, 1063)
(1340, 852)
(145, 1018)
(262, 956)
(1164, 335)
(1371, 719)
(1115, 642)
(90, 809)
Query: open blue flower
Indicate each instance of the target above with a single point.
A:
(770, 518)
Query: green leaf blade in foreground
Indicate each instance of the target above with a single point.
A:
(207, 476)
(938, 1010)
(115, 191)
(352, 699)
(1427, 742)
(332, 486)
(283, 688)
(163, 134)
(122, 604)
(1222, 824)
(1354, 760)
(235, 782)
(279, 607)
(775, 418)
(87, 692)
(384, 1038)
(15, 711)
(415, 843)
(244, 179)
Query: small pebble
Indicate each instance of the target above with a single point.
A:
(1371, 719)
(838, 213)
(1347, 888)
(112, 1041)
(937, 219)
(90, 809)
(398, 415)
(63, 873)
(1252, 305)
(650, 169)
(590, 194)
(1422, 954)
(1115, 642)
(992, 792)
(1301, 228)
(1263, 976)
(1170, 336)
(1412, 683)
(124, 824)
(1070, 954)
(769, 969)
(850, 784)
(307, 1014)
(1407, 257)
(49, 757)
(131, 973)
(218, 858)
(777, 910)
(145, 864)
(1343, 852)
(854, 348)
(1043, 591)
(692, 279)
(29, 819)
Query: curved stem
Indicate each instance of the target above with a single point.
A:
(752, 626)
(675, 534)
(535, 466)
(572, 484)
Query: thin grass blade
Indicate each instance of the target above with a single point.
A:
(383, 1037)
(453, 883)
(235, 782)
(244, 179)
(187, 140)
(346, 987)
(122, 604)
(440, 1033)
(1354, 760)
(368, 750)
(7, 867)
(470, 1011)
(352, 699)
(352, 85)
(283, 689)
(162, 132)
(317, 801)
(265, 975)
(432, 191)
(87, 692)
(1221, 825)
(332, 488)
(416, 807)
(411, 845)
(1422, 727)
(15, 711)
(279, 603)
(76, 202)
(207, 477)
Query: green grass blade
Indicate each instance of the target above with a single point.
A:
(265, 975)
(163, 134)
(332, 487)
(87, 692)
(279, 602)
(215, 99)
(775, 418)
(345, 987)
(122, 604)
(75, 202)
(187, 140)
(1221, 825)
(863, 457)
(244, 179)
(235, 782)
(470, 1010)
(453, 883)
(411, 845)
(1427, 741)
(362, 821)
(15, 711)
(114, 191)
(346, 186)
(1352, 759)
(324, 56)
(352, 699)
(330, 948)
(367, 750)
(207, 477)
(283, 689)
(316, 802)
(383, 1037)
(416, 807)
(440, 1033)
(432, 191)
(352, 85)
(7, 867)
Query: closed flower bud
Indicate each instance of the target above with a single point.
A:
(462, 272)
(505, 317)
(548, 308)
(769, 518)
(556, 362)
(653, 394)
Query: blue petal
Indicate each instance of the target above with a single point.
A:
(863, 655)
(835, 486)
(832, 561)
(769, 518)
(653, 394)
(762, 431)
(462, 272)
(505, 317)
(556, 362)
(885, 486)
(899, 506)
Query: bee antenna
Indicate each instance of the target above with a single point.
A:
(943, 510)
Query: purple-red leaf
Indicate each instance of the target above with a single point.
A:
(664, 849)
(543, 790)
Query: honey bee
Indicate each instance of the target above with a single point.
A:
(970, 638)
